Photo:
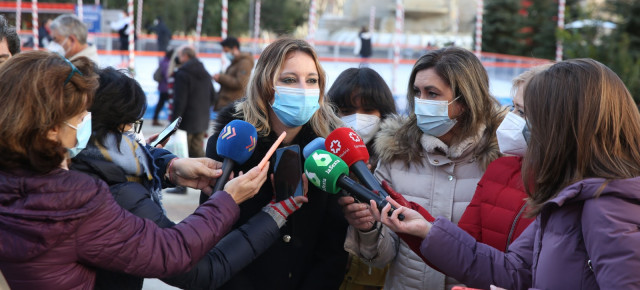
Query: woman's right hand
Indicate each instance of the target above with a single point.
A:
(414, 223)
(247, 185)
(357, 214)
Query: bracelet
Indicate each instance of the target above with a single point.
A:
(169, 169)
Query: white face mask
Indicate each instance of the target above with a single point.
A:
(433, 116)
(364, 124)
(57, 48)
(510, 137)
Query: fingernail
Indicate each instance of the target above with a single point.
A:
(218, 171)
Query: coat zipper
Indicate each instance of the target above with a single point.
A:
(513, 226)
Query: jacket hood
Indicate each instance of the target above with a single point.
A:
(195, 69)
(390, 148)
(38, 211)
(586, 189)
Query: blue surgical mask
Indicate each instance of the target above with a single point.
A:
(433, 116)
(294, 106)
(83, 133)
(229, 56)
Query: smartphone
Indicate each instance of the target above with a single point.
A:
(167, 132)
(287, 172)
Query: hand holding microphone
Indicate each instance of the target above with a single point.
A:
(236, 143)
(329, 173)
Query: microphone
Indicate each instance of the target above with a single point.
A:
(346, 144)
(236, 144)
(329, 173)
(314, 145)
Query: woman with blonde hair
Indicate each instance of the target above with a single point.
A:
(435, 157)
(582, 175)
(57, 226)
(286, 94)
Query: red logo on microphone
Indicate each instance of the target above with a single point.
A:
(335, 146)
(354, 136)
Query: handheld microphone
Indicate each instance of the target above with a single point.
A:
(346, 144)
(329, 173)
(236, 144)
(314, 145)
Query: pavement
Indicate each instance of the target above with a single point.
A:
(178, 206)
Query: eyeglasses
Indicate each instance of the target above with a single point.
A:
(74, 69)
(517, 111)
(137, 126)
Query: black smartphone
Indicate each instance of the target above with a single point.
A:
(167, 132)
(287, 172)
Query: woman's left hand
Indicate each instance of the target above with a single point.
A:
(198, 173)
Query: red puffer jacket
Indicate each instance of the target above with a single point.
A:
(55, 227)
(495, 215)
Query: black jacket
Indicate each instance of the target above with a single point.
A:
(193, 96)
(237, 249)
(314, 257)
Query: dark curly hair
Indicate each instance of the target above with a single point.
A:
(9, 33)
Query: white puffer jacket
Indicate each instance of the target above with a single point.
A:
(443, 184)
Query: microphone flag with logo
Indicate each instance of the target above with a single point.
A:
(347, 144)
(236, 143)
(329, 173)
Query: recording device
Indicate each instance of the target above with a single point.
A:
(287, 172)
(167, 132)
(236, 143)
(346, 144)
(314, 145)
(329, 173)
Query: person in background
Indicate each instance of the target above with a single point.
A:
(363, 100)
(162, 32)
(134, 173)
(192, 100)
(9, 40)
(58, 226)
(44, 36)
(69, 38)
(234, 81)
(581, 173)
(363, 46)
(435, 157)
(286, 94)
(161, 76)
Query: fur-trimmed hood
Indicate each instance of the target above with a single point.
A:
(389, 146)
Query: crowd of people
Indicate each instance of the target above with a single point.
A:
(540, 194)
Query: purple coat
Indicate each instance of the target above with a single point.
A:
(56, 227)
(574, 233)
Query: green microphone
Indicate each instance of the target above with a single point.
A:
(330, 173)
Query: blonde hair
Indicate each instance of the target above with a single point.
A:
(260, 90)
(523, 79)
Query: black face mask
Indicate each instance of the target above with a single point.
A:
(177, 60)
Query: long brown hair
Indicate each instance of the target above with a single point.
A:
(34, 98)
(584, 124)
(464, 73)
(260, 89)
